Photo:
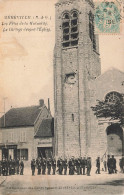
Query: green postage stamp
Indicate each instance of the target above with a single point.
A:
(107, 17)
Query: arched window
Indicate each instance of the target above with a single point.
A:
(113, 97)
(70, 29)
(66, 16)
(91, 30)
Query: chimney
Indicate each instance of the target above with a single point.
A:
(48, 104)
(41, 102)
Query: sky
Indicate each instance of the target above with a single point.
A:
(26, 58)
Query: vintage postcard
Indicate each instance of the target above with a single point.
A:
(61, 97)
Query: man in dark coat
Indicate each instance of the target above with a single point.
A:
(39, 166)
(113, 164)
(21, 167)
(81, 165)
(33, 164)
(108, 164)
(5, 167)
(89, 166)
(65, 165)
(10, 166)
(43, 166)
(6, 162)
(54, 165)
(84, 163)
(71, 165)
(98, 165)
(77, 164)
(13, 167)
(60, 166)
(17, 166)
(49, 164)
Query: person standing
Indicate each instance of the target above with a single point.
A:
(21, 167)
(81, 165)
(113, 164)
(71, 165)
(105, 165)
(17, 166)
(3, 167)
(77, 164)
(10, 166)
(89, 166)
(84, 163)
(60, 166)
(65, 165)
(33, 164)
(43, 166)
(39, 166)
(49, 164)
(98, 165)
(13, 167)
(109, 164)
(54, 165)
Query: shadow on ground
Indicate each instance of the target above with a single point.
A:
(113, 183)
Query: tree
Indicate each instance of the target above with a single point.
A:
(112, 110)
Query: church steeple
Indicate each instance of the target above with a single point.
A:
(76, 63)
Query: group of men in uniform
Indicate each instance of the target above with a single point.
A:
(61, 166)
(42, 165)
(11, 167)
(111, 164)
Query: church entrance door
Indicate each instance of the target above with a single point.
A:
(114, 139)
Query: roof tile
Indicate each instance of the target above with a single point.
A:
(16, 117)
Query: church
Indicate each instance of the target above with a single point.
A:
(31, 132)
(78, 84)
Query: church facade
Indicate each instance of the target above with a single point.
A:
(78, 83)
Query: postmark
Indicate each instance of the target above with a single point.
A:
(107, 18)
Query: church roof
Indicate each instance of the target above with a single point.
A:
(111, 72)
(110, 81)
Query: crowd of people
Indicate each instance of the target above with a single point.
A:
(11, 167)
(79, 166)
(51, 166)
(61, 166)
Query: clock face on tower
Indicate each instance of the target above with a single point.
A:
(70, 78)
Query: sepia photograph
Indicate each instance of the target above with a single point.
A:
(61, 97)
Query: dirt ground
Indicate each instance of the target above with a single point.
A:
(63, 185)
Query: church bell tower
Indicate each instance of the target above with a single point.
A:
(76, 63)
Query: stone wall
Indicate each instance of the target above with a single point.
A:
(72, 134)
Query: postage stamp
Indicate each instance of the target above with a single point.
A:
(107, 17)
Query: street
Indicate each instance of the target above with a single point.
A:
(63, 185)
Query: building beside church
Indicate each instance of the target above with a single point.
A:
(27, 133)
(78, 83)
